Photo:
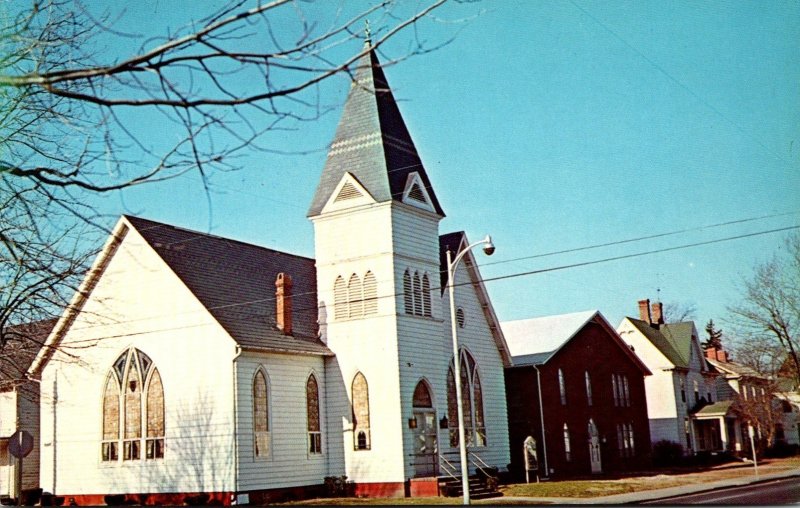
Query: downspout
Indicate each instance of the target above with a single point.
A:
(235, 484)
(541, 419)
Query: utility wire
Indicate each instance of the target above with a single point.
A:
(440, 288)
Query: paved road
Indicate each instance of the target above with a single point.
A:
(775, 492)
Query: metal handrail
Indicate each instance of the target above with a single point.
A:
(482, 463)
(447, 467)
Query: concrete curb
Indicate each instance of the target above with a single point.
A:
(650, 495)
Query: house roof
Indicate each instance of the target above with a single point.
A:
(372, 142)
(674, 340)
(735, 369)
(716, 409)
(535, 341)
(23, 343)
(235, 282)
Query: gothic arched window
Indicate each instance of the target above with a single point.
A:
(133, 409)
(567, 446)
(361, 412)
(312, 416)
(261, 444)
(562, 387)
(471, 402)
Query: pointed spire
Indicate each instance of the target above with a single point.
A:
(372, 141)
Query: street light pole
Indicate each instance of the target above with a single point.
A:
(451, 279)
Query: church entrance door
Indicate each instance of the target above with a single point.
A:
(426, 450)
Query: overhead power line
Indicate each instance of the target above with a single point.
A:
(439, 288)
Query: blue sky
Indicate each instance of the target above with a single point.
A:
(555, 125)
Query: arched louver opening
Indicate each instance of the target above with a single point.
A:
(408, 295)
(339, 298)
(417, 295)
(426, 296)
(370, 294)
(355, 297)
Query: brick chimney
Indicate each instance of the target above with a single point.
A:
(644, 311)
(283, 303)
(658, 313)
(717, 354)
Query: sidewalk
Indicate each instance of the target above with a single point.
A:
(648, 495)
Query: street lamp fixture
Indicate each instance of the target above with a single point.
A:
(488, 249)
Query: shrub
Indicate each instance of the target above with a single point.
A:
(782, 449)
(667, 453)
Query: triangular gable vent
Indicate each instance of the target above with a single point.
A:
(348, 191)
(416, 194)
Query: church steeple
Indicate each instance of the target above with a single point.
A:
(372, 143)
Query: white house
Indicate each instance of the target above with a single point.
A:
(682, 382)
(19, 405)
(190, 366)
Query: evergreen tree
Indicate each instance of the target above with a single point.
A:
(714, 336)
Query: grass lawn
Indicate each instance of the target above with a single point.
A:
(586, 488)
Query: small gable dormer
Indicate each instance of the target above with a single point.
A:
(415, 193)
(349, 193)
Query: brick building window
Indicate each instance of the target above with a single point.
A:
(567, 447)
(562, 387)
(615, 390)
(133, 407)
(261, 444)
(588, 388)
(360, 392)
(312, 416)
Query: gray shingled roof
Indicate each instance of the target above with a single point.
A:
(371, 142)
(235, 281)
(735, 368)
(23, 343)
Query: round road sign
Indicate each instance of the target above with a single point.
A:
(20, 444)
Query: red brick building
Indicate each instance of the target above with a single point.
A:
(578, 390)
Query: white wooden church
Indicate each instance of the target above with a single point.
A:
(195, 367)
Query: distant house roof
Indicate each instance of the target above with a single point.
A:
(371, 142)
(735, 369)
(674, 340)
(23, 343)
(535, 341)
(235, 282)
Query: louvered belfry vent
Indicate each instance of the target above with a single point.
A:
(416, 194)
(348, 191)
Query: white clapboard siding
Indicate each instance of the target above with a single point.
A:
(138, 302)
(477, 339)
(288, 463)
(357, 241)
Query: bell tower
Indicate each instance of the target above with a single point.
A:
(376, 225)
